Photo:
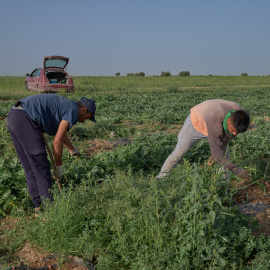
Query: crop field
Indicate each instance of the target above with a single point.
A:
(112, 213)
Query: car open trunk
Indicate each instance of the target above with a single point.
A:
(57, 77)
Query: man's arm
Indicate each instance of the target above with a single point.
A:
(68, 143)
(70, 147)
(59, 140)
(218, 154)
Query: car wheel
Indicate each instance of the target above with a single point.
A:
(26, 86)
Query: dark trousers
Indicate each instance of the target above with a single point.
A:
(30, 146)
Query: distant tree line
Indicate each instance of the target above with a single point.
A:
(168, 73)
(163, 74)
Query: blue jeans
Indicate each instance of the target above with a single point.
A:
(187, 137)
(29, 143)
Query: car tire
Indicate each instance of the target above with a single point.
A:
(26, 86)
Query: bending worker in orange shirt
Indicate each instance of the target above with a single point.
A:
(217, 120)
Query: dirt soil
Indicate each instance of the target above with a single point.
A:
(254, 200)
(31, 257)
(36, 259)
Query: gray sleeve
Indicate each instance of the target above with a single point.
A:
(217, 151)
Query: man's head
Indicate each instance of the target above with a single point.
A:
(87, 109)
(238, 122)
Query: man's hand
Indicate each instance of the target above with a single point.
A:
(75, 152)
(244, 174)
(58, 172)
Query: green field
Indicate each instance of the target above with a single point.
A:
(112, 210)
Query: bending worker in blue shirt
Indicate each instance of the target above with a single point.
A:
(54, 115)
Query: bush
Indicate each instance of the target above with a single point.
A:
(244, 74)
(117, 74)
(184, 73)
(140, 74)
(165, 73)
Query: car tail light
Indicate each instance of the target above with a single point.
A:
(45, 80)
(70, 81)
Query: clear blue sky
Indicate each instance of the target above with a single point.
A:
(102, 37)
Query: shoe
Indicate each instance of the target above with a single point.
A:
(162, 175)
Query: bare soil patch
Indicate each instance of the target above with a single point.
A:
(98, 146)
(29, 256)
(254, 200)
(32, 257)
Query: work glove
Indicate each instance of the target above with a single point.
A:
(58, 172)
(244, 174)
(75, 152)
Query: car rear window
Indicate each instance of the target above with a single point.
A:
(55, 63)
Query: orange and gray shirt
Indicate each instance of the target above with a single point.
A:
(207, 118)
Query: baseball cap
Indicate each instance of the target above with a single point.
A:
(90, 105)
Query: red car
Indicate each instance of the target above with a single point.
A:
(51, 78)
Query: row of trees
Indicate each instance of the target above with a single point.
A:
(182, 73)
(167, 74)
(163, 74)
